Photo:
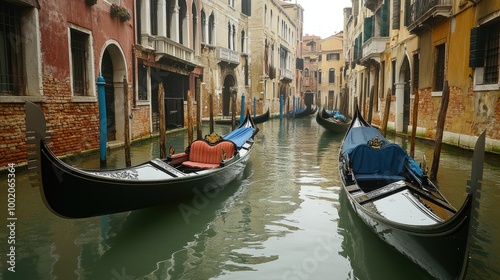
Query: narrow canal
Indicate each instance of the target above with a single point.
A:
(286, 218)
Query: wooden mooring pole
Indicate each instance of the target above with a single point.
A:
(190, 117)
(128, 161)
(163, 120)
(387, 111)
(414, 123)
(439, 131)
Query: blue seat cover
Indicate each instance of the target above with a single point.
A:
(240, 135)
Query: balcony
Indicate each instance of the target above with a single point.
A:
(423, 14)
(166, 48)
(373, 5)
(228, 55)
(285, 74)
(373, 48)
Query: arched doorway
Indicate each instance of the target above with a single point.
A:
(107, 74)
(404, 77)
(229, 84)
(113, 70)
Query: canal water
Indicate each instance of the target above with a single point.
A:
(285, 218)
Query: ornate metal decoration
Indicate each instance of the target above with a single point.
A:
(121, 174)
(213, 138)
(376, 142)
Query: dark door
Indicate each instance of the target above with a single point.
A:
(107, 74)
(226, 95)
(174, 112)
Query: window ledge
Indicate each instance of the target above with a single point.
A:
(436, 93)
(22, 99)
(82, 99)
(486, 87)
(142, 103)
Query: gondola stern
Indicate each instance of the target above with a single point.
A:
(35, 134)
(474, 186)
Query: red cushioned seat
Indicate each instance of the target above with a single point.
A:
(202, 155)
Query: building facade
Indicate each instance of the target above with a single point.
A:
(417, 50)
(52, 53)
(274, 55)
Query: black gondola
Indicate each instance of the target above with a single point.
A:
(304, 112)
(75, 193)
(396, 200)
(256, 120)
(329, 122)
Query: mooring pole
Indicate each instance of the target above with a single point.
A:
(103, 126)
(242, 113)
(161, 117)
(281, 107)
(439, 130)
(128, 161)
(254, 106)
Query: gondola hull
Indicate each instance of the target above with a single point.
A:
(73, 193)
(304, 112)
(405, 209)
(330, 124)
(77, 193)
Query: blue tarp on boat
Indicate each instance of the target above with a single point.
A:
(360, 135)
(240, 135)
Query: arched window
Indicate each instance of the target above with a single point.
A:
(211, 29)
(306, 72)
(331, 76)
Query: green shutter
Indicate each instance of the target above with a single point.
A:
(384, 19)
(476, 52)
(368, 28)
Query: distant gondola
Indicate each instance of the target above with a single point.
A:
(304, 112)
(256, 120)
(389, 192)
(329, 122)
(75, 193)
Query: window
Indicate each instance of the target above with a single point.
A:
(306, 72)
(246, 7)
(439, 69)
(332, 56)
(79, 73)
(142, 76)
(331, 76)
(243, 49)
(484, 55)
(203, 27)
(211, 29)
(153, 17)
(319, 76)
(20, 60)
(11, 66)
(491, 54)
(416, 69)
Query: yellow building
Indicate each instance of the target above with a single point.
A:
(413, 49)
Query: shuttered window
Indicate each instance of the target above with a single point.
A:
(368, 28)
(396, 6)
(485, 49)
(491, 54)
(439, 69)
(416, 69)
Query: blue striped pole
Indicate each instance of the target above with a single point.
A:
(242, 113)
(103, 126)
(281, 107)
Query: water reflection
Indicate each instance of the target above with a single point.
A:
(286, 218)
